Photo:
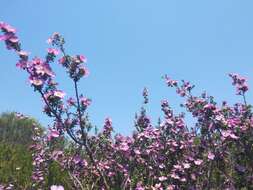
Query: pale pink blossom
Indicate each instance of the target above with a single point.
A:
(162, 178)
(85, 101)
(56, 187)
(186, 165)
(59, 94)
(23, 53)
(14, 40)
(35, 81)
(53, 51)
(53, 134)
(210, 156)
(198, 162)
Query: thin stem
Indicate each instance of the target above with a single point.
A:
(59, 119)
(76, 179)
(84, 137)
(83, 133)
(244, 99)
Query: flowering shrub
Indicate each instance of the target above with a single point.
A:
(216, 153)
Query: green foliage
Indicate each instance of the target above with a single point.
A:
(15, 165)
(17, 130)
(16, 158)
(56, 175)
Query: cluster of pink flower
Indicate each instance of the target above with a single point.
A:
(216, 153)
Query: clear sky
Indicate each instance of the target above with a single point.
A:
(130, 45)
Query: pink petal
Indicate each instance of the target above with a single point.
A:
(210, 156)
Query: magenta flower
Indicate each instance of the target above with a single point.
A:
(53, 134)
(53, 51)
(124, 146)
(5, 37)
(240, 83)
(6, 27)
(170, 82)
(82, 58)
(85, 101)
(62, 60)
(71, 101)
(228, 133)
(51, 38)
(2, 37)
(76, 159)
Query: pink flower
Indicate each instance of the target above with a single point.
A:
(139, 186)
(170, 82)
(228, 133)
(240, 83)
(186, 165)
(209, 107)
(53, 134)
(49, 40)
(7, 27)
(85, 101)
(225, 133)
(198, 162)
(14, 40)
(56, 187)
(2, 37)
(170, 187)
(162, 178)
(35, 81)
(124, 147)
(62, 60)
(136, 151)
(59, 94)
(82, 58)
(71, 101)
(23, 53)
(21, 64)
(5, 37)
(174, 176)
(53, 51)
(76, 159)
(210, 156)
(233, 136)
(84, 71)
(178, 167)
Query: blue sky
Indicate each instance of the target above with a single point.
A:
(130, 45)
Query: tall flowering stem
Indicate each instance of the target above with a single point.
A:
(41, 78)
(75, 75)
